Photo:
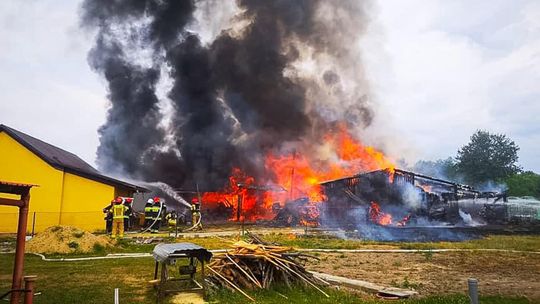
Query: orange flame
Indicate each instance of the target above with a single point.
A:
(300, 173)
(377, 216)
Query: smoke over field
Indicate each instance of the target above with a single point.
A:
(199, 88)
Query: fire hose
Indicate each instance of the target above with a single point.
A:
(158, 215)
(196, 224)
(155, 220)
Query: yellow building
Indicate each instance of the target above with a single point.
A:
(70, 192)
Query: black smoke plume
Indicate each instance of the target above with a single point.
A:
(233, 99)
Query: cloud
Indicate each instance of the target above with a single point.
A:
(444, 69)
(47, 88)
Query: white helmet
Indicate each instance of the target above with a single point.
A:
(150, 201)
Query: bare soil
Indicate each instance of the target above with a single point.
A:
(508, 274)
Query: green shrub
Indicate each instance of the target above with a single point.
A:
(98, 249)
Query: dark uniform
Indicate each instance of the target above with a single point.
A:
(108, 217)
(148, 213)
(157, 215)
(128, 213)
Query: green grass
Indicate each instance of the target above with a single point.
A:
(506, 242)
(86, 281)
(282, 294)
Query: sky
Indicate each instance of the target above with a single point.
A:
(439, 70)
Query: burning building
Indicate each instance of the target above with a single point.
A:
(409, 195)
(388, 197)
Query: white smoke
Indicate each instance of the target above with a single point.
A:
(411, 197)
(467, 218)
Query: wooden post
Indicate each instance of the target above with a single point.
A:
(19, 251)
(33, 223)
(156, 270)
(29, 286)
(202, 278)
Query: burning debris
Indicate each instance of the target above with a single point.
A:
(391, 199)
(411, 197)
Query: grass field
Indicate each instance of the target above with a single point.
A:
(94, 281)
(503, 242)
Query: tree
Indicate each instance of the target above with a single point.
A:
(488, 157)
(441, 168)
(524, 184)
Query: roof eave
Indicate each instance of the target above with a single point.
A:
(106, 180)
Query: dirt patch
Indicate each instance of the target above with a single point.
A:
(509, 274)
(66, 239)
(187, 298)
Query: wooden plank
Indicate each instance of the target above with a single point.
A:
(364, 285)
(11, 202)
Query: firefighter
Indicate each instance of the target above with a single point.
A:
(126, 201)
(157, 210)
(148, 213)
(171, 219)
(108, 217)
(163, 212)
(118, 211)
(196, 214)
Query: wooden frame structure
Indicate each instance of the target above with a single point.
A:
(23, 190)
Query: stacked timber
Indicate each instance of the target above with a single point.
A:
(256, 264)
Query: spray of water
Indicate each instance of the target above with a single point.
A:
(168, 190)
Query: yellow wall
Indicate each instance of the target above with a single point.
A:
(18, 164)
(81, 200)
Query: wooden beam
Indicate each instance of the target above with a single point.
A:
(363, 285)
(11, 202)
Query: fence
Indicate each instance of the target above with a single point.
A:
(523, 213)
(39, 221)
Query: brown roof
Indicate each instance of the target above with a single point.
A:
(14, 188)
(64, 160)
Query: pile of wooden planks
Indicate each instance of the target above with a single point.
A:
(256, 264)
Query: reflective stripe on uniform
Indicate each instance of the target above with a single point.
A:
(118, 211)
(155, 210)
(148, 213)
